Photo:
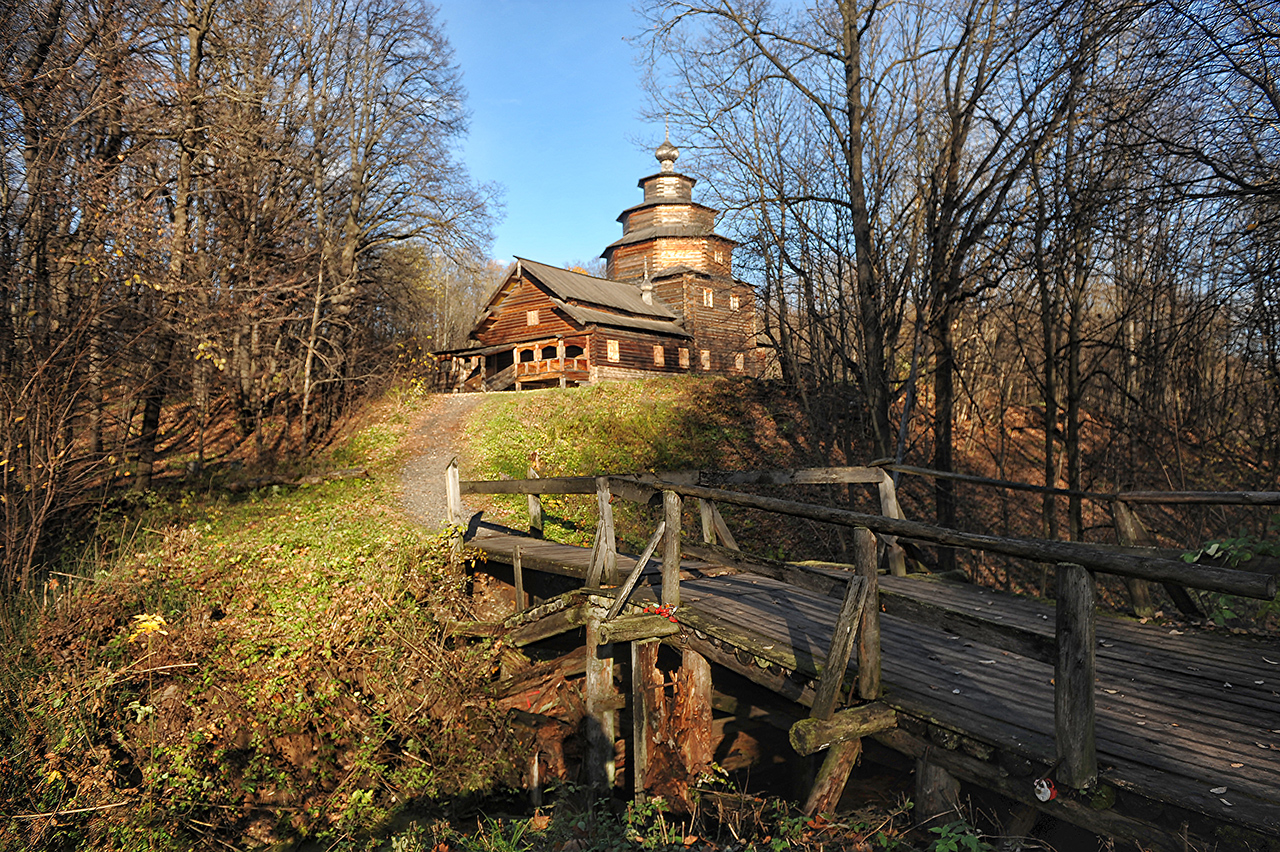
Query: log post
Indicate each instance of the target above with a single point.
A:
(937, 794)
(453, 494)
(648, 706)
(608, 542)
(601, 718)
(671, 507)
(1131, 533)
(708, 523)
(889, 507)
(693, 713)
(864, 554)
(1074, 675)
(535, 505)
(519, 578)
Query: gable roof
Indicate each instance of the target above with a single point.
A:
(579, 287)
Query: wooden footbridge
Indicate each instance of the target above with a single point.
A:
(1169, 738)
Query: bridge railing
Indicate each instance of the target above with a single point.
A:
(1072, 651)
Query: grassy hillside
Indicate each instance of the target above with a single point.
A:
(258, 667)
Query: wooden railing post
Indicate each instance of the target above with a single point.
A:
(864, 554)
(453, 494)
(608, 542)
(535, 506)
(671, 508)
(708, 523)
(1074, 675)
(889, 507)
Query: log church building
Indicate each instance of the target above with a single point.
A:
(669, 304)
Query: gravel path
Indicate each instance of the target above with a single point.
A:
(437, 438)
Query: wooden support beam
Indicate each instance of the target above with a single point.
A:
(549, 625)
(601, 701)
(937, 794)
(1074, 676)
(843, 641)
(813, 735)
(1131, 532)
(648, 706)
(864, 549)
(692, 713)
(722, 529)
(637, 628)
(671, 509)
(889, 507)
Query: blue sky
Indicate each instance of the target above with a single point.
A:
(555, 98)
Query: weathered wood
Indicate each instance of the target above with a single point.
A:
(1203, 498)
(799, 476)
(550, 625)
(453, 496)
(832, 776)
(648, 705)
(601, 720)
(708, 525)
(993, 777)
(812, 735)
(1074, 676)
(518, 570)
(1131, 532)
(894, 554)
(671, 510)
(595, 565)
(885, 464)
(692, 713)
(820, 580)
(722, 529)
(608, 542)
(1224, 580)
(937, 794)
(864, 546)
(629, 584)
(549, 485)
(535, 509)
(1006, 637)
(843, 641)
(635, 628)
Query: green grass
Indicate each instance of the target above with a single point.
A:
(302, 688)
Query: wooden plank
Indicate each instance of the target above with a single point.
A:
(843, 642)
(635, 628)
(518, 571)
(549, 485)
(1005, 637)
(832, 776)
(671, 512)
(821, 581)
(1127, 533)
(535, 508)
(647, 708)
(608, 541)
(453, 494)
(547, 626)
(708, 525)
(1074, 677)
(722, 529)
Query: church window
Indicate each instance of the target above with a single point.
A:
(739, 361)
(706, 359)
(735, 302)
(708, 298)
(659, 356)
(531, 317)
(684, 358)
(611, 350)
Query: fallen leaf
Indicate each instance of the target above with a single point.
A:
(539, 822)
(1218, 791)
(993, 662)
(690, 840)
(955, 692)
(1109, 691)
(1272, 662)
(1237, 765)
(1225, 802)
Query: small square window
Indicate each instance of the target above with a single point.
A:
(611, 350)
(708, 298)
(531, 317)
(659, 356)
(735, 302)
(739, 362)
(706, 359)
(684, 358)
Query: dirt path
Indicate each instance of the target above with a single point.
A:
(436, 439)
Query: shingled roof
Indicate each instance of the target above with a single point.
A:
(587, 290)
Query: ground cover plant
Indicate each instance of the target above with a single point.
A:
(245, 669)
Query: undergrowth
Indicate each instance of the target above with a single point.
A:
(291, 679)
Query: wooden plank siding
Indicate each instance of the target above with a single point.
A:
(628, 263)
(635, 354)
(510, 321)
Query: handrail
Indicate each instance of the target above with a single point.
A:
(1209, 578)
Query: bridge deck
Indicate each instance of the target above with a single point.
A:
(1180, 714)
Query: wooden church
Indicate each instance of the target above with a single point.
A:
(670, 304)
